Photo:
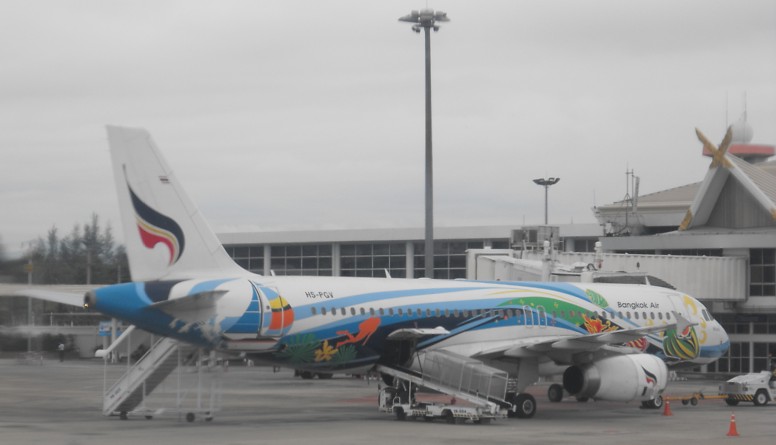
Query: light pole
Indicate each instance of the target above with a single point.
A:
(427, 19)
(88, 245)
(546, 183)
(28, 268)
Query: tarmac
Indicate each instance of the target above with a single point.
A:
(60, 403)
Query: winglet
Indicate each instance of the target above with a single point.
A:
(682, 324)
(415, 333)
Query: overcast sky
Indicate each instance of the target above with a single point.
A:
(310, 114)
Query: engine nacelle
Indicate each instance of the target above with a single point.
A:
(621, 378)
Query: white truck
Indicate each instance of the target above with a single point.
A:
(756, 387)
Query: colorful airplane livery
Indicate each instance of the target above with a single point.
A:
(609, 341)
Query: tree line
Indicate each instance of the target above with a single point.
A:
(87, 255)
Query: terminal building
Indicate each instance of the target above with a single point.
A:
(730, 213)
(372, 252)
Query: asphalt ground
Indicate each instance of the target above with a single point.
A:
(60, 403)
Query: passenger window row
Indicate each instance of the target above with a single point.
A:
(500, 313)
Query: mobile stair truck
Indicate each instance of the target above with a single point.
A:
(481, 388)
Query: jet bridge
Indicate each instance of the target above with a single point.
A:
(129, 395)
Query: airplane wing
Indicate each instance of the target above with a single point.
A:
(70, 298)
(546, 346)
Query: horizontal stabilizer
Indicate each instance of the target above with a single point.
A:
(53, 296)
(188, 307)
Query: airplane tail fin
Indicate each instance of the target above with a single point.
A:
(165, 234)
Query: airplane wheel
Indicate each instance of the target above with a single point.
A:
(555, 392)
(760, 398)
(655, 403)
(525, 406)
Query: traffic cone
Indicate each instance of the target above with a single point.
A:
(667, 409)
(733, 431)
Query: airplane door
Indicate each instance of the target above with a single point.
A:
(277, 315)
(542, 315)
(531, 318)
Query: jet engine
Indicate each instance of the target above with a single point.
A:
(621, 378)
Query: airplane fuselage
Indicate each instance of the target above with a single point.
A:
(333, 323)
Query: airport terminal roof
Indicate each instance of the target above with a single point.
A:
(393, 234)
(668, 207)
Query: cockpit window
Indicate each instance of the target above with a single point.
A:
(706, 315)
(655, 281)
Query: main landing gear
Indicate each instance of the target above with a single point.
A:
(555, 393)
(655, 403)
(524, 405)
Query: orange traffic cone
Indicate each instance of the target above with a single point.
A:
(667, 409)
(733, 431)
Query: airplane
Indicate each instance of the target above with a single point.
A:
(609, 341)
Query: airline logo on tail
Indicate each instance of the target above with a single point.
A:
(156, 228)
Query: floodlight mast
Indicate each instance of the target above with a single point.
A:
(427, 19)
(546, 183)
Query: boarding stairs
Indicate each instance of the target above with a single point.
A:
(459, 376)
(130, 392)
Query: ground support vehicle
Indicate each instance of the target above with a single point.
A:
(756, 388)
(482, 390)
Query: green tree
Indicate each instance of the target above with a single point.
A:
(87, 255)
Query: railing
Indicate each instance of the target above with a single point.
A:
(126, 387)
(464, 375)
